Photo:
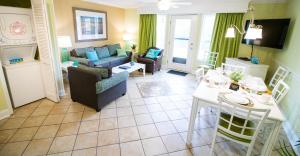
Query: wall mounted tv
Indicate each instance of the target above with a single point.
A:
(274, 33)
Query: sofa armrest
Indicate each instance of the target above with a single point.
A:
(83, 84)
(145, 60)
(80, 60)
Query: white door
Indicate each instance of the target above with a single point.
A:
(182, 41)
(46, 50)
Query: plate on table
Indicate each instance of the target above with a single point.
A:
(237, 98)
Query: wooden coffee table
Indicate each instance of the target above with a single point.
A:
(136, 66)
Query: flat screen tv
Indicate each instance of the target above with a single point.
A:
(273, 35)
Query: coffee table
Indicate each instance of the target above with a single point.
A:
(136, 66)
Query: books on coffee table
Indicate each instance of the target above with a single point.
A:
(124, 67)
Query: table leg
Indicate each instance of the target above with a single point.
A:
(272, 139)
(144, 71)
(193, 116)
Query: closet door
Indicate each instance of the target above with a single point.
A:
(46, 52)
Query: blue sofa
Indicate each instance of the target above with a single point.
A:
(107, 56)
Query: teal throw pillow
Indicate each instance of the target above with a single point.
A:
(92, 56)
(152, 53)
(121, 52)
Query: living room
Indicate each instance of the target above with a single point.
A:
(135, 77)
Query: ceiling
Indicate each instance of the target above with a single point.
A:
(198, 6)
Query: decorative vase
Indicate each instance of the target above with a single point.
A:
(234, 86)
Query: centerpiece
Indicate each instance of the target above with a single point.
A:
(235, 77)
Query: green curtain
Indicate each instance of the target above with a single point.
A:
(227, 47)
(147, 32)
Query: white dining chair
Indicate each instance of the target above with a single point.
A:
(210, 62)
(280, 74)
(238, 123)
(228, 68)
(280, 91)
(199, 74)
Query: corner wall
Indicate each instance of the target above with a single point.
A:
(289, 58)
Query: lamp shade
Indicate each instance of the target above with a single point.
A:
(259, 33)
(251, 34)
(230, 33)
(127, 37)
(64, 41)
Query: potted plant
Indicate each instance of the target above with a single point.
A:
(235, 77)
(133, 47)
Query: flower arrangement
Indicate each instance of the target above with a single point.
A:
(236, 76)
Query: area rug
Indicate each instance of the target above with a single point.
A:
(177, 73)
(151, 89)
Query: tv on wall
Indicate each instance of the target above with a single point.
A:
(273, 35)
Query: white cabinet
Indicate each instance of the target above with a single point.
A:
(258, 70)
(25, 82)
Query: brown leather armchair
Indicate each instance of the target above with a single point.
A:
(152, 65)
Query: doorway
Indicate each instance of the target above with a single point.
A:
(182, 42)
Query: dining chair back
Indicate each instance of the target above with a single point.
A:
(280, 91)
(233, 68)
(238, 123)
(280, 74)
(211, 59)
(199, 74)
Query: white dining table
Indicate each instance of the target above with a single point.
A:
(207, 96)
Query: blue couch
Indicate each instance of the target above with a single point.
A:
(107, 56)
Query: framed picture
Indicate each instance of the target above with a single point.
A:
(90, 25)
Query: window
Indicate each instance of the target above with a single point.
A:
(207, 26)
(161, 31)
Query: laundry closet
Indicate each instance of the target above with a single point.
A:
(27, 55)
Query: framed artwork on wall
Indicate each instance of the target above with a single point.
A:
(90, 25)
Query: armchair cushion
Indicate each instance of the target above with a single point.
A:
(102, 52)
(104, 73)
(105, 84)
(113, 49)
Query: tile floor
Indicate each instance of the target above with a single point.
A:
(130, 126)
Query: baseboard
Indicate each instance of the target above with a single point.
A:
(5, 113)
(292, 136)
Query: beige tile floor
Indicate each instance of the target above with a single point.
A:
(130, 126)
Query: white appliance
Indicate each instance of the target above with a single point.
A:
(258, 70)
(24, 79)
(17, 39)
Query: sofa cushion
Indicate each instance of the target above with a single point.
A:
(102, 52)
(113, 49)
(118, 60)
(111, 61)
(105, 84)
(103, 72)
